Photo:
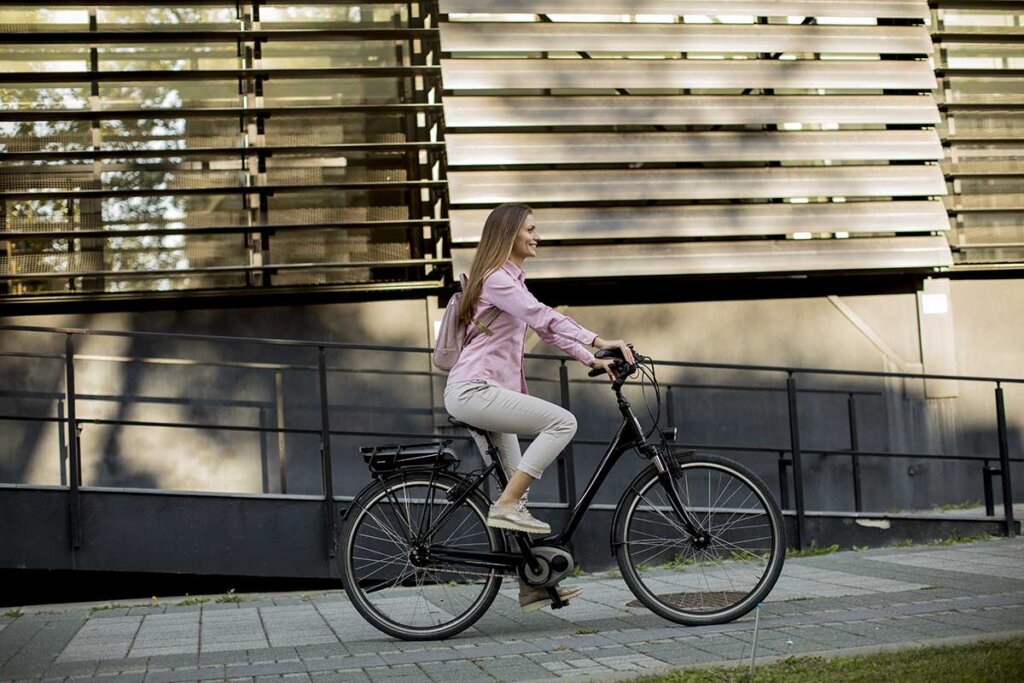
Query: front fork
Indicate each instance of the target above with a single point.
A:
(700, 536)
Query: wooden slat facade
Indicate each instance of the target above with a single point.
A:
(683, 130)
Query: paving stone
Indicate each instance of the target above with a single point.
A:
(454, 672)
(224, 657)
(130, 677)
(321, 650)
(272, 654)
(403, 673)
(185, 674)
(174, 661)
(81, 668)
(265, 668)
(128, 665)
(511, 668)
(344, 676)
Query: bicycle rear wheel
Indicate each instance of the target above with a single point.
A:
(393, 582)
(692, 582)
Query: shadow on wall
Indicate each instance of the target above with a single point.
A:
(215, 385)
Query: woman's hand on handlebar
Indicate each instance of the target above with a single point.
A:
(606, 366)
(619, 344)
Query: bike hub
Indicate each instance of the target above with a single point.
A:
(419, 556)
(701, 541)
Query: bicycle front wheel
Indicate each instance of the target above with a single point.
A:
(700, 581)
(391, 578)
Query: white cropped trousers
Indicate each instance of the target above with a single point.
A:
(504, 414)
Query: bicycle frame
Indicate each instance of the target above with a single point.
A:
(628, 436)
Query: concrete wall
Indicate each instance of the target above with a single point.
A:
(872, 333)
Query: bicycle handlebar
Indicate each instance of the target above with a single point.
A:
(622, 368)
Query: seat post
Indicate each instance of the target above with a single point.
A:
(492, 450)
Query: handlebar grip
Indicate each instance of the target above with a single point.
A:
(595, 373)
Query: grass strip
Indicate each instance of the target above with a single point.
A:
(994, 661)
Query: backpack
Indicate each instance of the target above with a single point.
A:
(452, 336)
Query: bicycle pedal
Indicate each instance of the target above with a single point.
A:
(556, 601)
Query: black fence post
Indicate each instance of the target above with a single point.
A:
(62, 444)
(986, 483)
(330, 524)
(798, 484)
(75, 455)
(566, 463)
(858, 503)
(1004, 462)
(670, 406)
(783, 481)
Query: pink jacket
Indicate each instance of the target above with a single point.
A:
(499, 357)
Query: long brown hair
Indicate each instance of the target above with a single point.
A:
(496, 242)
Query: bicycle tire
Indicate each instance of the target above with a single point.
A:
(393, 612)
(688, 584)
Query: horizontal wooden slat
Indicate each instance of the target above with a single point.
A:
(718, 258)
(907, 9)
(607, 110)
(732, 220)
(619, 37)
(1010, 201)
(158, 76)
(1003, 35)
(494, 187)
(479, 149)
(532, 74)
(185, 33)
(116, 113)
(991, 168)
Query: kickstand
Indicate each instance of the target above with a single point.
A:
(556, 601)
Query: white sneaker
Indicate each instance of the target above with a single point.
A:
(531, 599)
(516, 518)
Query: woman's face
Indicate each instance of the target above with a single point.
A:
(527, 238)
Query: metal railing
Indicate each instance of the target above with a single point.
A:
(790, 457)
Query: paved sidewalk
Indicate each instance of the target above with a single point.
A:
(841, 601)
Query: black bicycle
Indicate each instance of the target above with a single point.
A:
(699, 539)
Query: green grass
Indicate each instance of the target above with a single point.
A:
(230, 597)
(965, 505)
(953, 540)
(987, 662)
(189, 600)
(679, 561)
(813, 550)
(113, 605)
(949, 540)
(13, 613)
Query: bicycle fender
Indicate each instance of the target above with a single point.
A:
(376, 482)
(645, 474)
(351, 504)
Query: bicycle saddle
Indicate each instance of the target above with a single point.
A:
(459, 423)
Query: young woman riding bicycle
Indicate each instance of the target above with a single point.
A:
(487, 386)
